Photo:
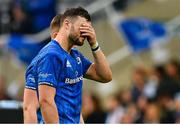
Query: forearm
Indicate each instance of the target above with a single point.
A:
(49, 112)
(100, 70)
(30, 115)
(101, 65)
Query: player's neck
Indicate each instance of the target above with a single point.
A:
(63, 41)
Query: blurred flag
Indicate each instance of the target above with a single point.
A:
(140, 33)
(24, 48)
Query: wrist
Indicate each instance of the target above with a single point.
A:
(95, 47)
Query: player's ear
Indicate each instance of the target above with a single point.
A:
(66, 23)
(53, 35)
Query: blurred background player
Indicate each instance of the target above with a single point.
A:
(55, 25)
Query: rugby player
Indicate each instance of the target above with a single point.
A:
(57, 72)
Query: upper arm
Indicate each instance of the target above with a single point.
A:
(47, 104)
(46, 93)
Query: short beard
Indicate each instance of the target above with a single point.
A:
(73, 38)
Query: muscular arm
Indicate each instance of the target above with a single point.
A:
(30, 106)
(100, 70)
(47, 104)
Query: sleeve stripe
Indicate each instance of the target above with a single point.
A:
(87, 68)
(46, 83)
(30, 87)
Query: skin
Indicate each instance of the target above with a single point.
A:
(99, 70)
(30, 106)
(72, 33)
(47, 104)
(54, 32)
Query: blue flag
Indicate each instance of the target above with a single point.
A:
(141, 32)
(24, 48)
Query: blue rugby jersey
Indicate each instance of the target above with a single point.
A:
(53, 66)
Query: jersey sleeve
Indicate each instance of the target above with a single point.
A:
(30, 81)
(48, 69)
(85, 63)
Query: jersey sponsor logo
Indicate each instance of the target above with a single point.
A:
(44, 75)
(78, 60)
(68, 64)
(73, 81)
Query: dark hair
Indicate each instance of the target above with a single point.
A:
(74, 12)
(176, 64)
(159, 69)
(55, 23)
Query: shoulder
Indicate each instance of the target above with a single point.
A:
(75, 51)
(51, 57)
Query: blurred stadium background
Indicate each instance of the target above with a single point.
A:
(139, 38)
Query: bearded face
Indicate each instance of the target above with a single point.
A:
(75, 36)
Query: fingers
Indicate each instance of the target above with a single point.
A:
(88, 31)
(87, 28)
(86, 24)
(86, 34)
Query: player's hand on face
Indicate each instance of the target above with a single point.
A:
(88, 31)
